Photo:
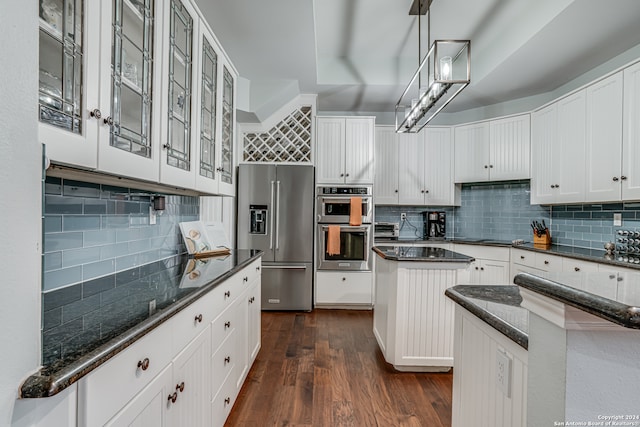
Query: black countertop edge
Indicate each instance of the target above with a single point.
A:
(420, 254)
(584, 254)
(47, 384)
(613, 311)
(483, 242)
(457, 294)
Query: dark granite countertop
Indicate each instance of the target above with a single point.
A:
(467, 241)
(610, 297)
(424, 254)
(498, 306)
(112, 312)
(585, 254)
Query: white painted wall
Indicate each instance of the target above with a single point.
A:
(20, 201)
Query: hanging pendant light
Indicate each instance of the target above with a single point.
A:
(443, 72)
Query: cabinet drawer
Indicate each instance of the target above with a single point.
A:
(192, 320)
(223, 326)
(483, 252)
(344, 288)
(250, 272)
(571, 265)
(548, 262)
(109, 388)
(223, 362)
(223, 401)
(521, 257)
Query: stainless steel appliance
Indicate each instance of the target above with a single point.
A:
(386, 230)
(333, 204)
(434, 224)
(355, 248)
(275, 215)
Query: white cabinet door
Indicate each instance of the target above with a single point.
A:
(604, 140)
(344, 288)
(226, 165)
(569, 159)
(192, 384)
(132, 97)
(254, 320)
(494, 272)
(472, 153)
(330, 140)
(543, 143)
(411, 169)
(631, 134)
(386, 157)
(359, 150)
(510, 148)
(438, 167)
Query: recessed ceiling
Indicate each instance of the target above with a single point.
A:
(358, 55)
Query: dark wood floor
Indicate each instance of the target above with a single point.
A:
(325, 369)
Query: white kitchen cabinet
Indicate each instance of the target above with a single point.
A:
(631, 134)
(497, 150)
(472, 152)
(387, 171)
(426, 168)
(491, 265)
(337, 288)
(604, 177)
(253, 321)
(345, 150)
(558, 151)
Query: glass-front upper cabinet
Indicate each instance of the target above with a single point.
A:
(177, 167)
(207, 138)
(228, 131)
(63, 97)
(129, 134)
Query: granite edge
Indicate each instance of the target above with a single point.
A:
(41, 385)
(383, 255)
(514, 334)
(604, 308)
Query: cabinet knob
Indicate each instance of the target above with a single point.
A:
(245, 279)
(341, 175)
(546, 262)
(422, 191)
(199, 318)
(227, 294)
(395, 191)
(576, 268)
(344, 278)
(180, 387)
(143, 364)
(258, 268)
(227, 325)
(521, 256)
(108, 121)
(481, 268)
(612, 276)
(491, 166)
(616, 179)
(476, 268)
(173, 397)
(347, 175)
(557, 185)
(426, 191)
(553, 186)
(227, 401)
(227, 360)
(220, 169)
(166, 146)
(95, 113)
(624, 178)
(486, 166)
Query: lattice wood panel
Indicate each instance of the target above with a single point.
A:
(288, 141)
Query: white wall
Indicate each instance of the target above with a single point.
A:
(20, 201)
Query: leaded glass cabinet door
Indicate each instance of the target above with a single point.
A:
(129, 88)
(177, 167)
(63, 96)
(207, 138)
(228, 132)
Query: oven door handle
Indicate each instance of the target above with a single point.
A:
(284, 267)
(348, 227)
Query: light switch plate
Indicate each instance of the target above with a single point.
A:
(617, 219)
(503, 373)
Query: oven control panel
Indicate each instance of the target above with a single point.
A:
(346, 191)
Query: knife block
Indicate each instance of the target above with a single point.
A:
(544, 240)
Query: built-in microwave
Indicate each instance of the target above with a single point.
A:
(333, 204)
(355, 248)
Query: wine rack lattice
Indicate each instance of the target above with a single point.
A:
(288, 141)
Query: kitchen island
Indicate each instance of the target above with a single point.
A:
(412, 318)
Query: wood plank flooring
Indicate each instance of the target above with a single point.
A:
(324, 368)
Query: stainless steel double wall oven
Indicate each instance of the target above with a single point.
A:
(333, 207)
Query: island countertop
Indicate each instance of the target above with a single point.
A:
(612, 297)
(123, 315)
(421, 254)
(497, 306)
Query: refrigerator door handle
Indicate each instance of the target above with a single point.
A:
(284, 267)
(271, 229)
(278, 213)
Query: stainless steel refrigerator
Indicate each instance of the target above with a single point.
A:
(275, 215)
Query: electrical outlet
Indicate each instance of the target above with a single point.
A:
(403, 216)
(617, 220)
(503, 373)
